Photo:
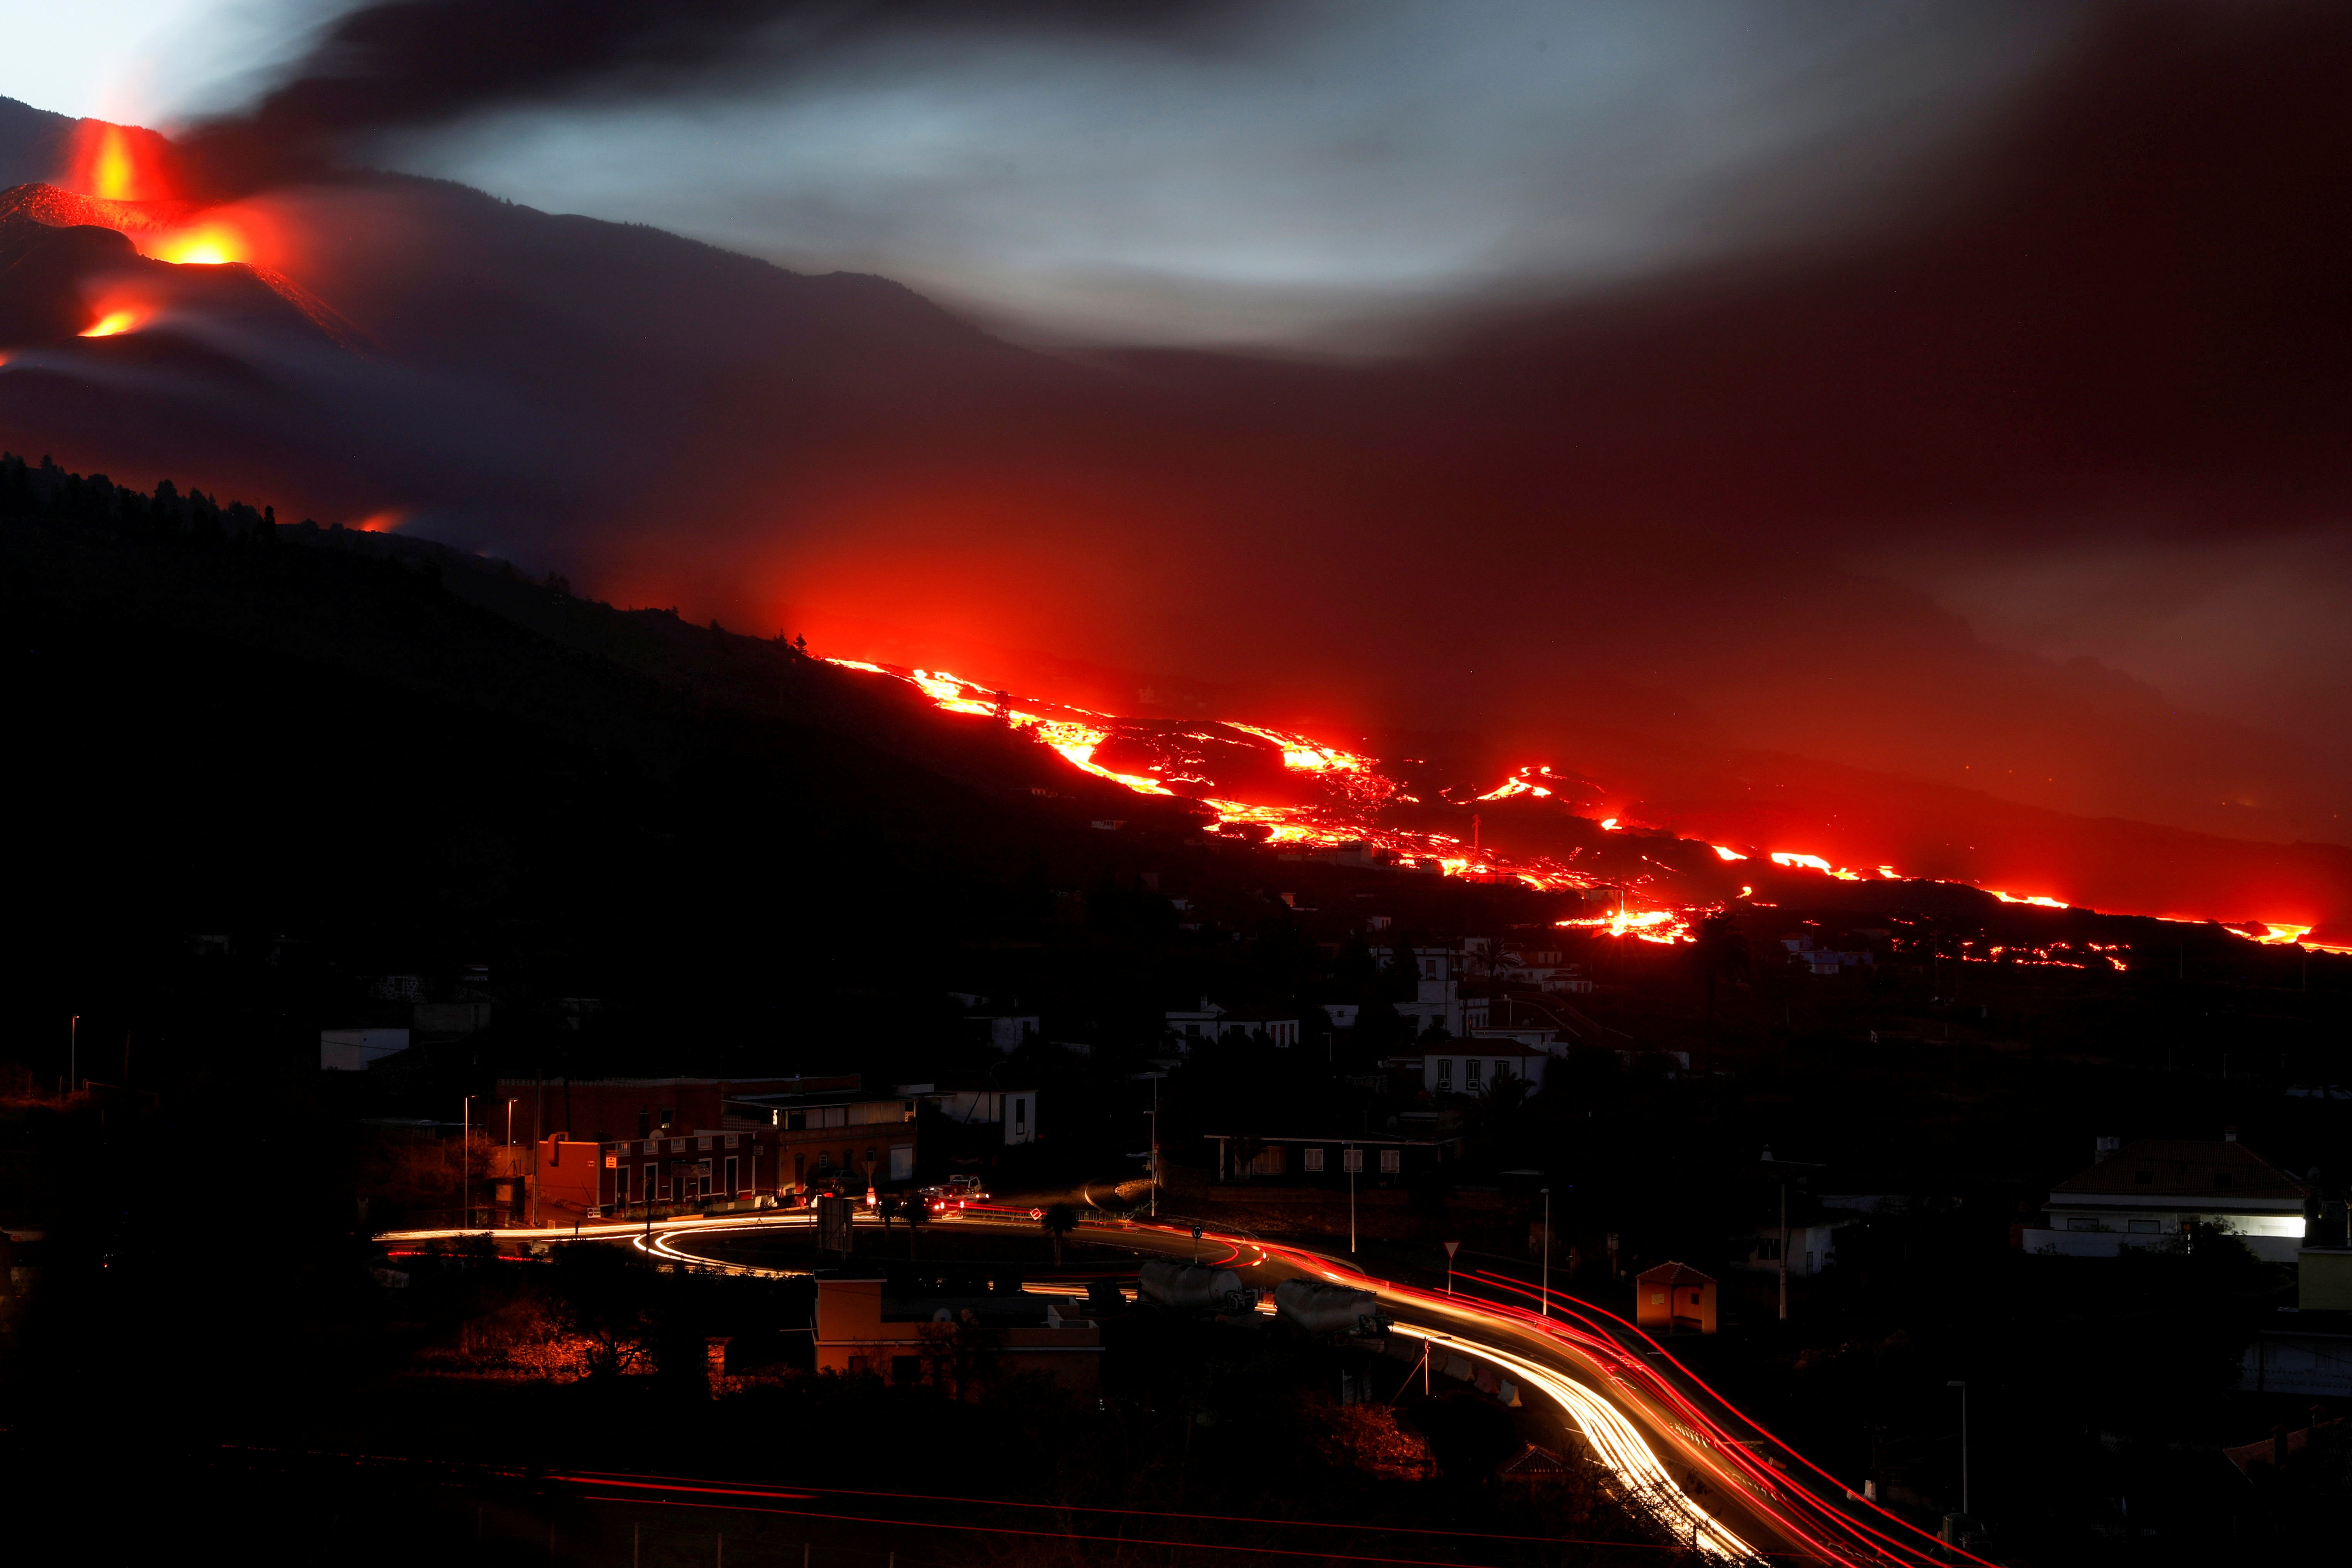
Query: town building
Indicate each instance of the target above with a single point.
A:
(840, 1137)
(356, 1050)
(1189, 1026)
(1374, 1160)
(1475, 1066)
(1438, 1001)
(960, 1340)
(705, 1171)
(1004, 1116)
(2154, 1192)
(1808, 1241)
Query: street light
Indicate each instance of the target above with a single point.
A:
(1154, 1114)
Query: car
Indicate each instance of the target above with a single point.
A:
(957, 1192)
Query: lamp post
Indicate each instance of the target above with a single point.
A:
(466, 1162)
(73, 1054)
(1545, 1303)
(511, 1104)
(1154, 1114)
(1352, 1158)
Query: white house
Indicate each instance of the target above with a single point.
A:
(1438, 997)
(2150, 1192)
(1812, 1245)
(1472, 1067)
(1211, 1022)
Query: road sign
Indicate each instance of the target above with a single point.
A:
(1196, 1233)
(832, 1224)
(1452, 1247)
(1036, 1214)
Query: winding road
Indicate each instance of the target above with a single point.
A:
(1708, 1474)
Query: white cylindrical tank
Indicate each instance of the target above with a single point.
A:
(1188, 1287)
(1327, 1309)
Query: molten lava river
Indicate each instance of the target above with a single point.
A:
(1300, 795)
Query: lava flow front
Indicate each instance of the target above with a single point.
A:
(1304, 797)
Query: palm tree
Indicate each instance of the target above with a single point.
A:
(1058, 1221)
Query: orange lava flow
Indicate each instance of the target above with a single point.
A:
(111, 324)
(1346, 788)
(211, 241)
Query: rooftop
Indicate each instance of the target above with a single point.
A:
(2182, 1168)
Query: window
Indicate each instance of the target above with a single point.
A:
(2083, 1222)
(1311, 1160)
(902, 1161)
(2145, 1227)
(1353, 1159)
(795, 1120)
(620, 1184)
(1020, 1116)
(668, 1114)
(1502, 1069)
(1392, 1161)
(731, 1187)
(824, 1161)
(1445, 1072)
(702, 1142)
(732, 1139)
(653, 1145)
(1470, 1071)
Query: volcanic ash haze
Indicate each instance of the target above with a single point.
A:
(1685, 538)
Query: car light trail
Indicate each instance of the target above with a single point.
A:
(1618, 1446)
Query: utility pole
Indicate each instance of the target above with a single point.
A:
(73, 1055)
(1784, 1252)
(1544, 1305)
(466, 1162)
(1962, 1385)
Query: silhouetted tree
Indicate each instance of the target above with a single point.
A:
(1058, 1221)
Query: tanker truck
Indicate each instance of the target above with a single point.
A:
(1322, 1309)
(1189, 1287)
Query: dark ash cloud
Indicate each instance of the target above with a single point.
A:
(403, 64)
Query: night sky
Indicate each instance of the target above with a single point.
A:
(1954, 392)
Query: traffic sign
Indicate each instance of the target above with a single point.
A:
(1452, 1247)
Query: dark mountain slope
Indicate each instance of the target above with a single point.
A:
(312, 737)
